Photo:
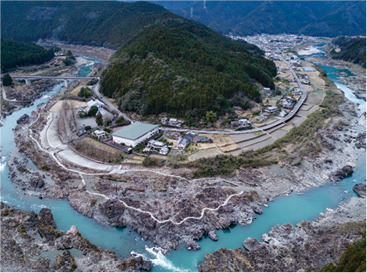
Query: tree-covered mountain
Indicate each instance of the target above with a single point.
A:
(15, 53)
(102, 23)
(314, 18)
(351, 50)
(165, 63)
(184, 68)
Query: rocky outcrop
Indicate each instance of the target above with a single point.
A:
(26, 238)
(342, 173)
(360, 189)
(360, 140)
(23, 119)
(306, 246)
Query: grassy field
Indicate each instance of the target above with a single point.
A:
(98, 151)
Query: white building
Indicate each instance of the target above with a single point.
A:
(96, 103)
(135, 134)
(99, 134)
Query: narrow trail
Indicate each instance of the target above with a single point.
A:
(80, 173)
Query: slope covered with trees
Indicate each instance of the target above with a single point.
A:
(351, 50)
(101, 23)
(184, 68)
(166, 63)
(314, 18)
(15, 53)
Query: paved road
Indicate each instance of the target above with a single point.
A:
(96, 88)
(54, 78)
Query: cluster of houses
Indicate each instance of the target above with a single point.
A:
(156, 146)
(304, 77)
(172, 122)
(287, 102)
(192, 137)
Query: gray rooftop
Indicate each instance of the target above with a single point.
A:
(135, 130)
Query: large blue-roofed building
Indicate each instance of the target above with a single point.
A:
(135, 133)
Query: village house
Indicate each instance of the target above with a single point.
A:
(271, 109)
(99, 134)
(186, 140)
(202, 139)
(283, 113)
(267, 91)
(135, 134)
(172, 122)
(297, 92)
(156, 146)
(96, 103)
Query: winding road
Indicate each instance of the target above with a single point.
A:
(80, 173)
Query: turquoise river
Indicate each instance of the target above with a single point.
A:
(287, 209)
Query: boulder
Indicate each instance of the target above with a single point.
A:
(342, 173)
(46, 218)
(360, 189)
(73, 231)
(212, 235)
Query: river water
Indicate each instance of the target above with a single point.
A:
(287, 209)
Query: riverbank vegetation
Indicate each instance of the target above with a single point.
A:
(15, 54)
(302, 140)
(352, 260)
(351, 50)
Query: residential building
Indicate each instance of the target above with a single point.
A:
(99, 134)
(135, 133)
(202, 139)
(271, 109)
(172, 122)
(96, 103)
(186, 140)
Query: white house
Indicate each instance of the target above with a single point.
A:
(135, 134)
(94, 103)
(99, 134)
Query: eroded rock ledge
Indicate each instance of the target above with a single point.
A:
(28, 240)
(307, 246)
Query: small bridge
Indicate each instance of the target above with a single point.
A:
(61, 78)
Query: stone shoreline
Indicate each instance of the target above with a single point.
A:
(26, 237)
(286, 248)
(177, 198)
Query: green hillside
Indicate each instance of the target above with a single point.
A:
(184, 68)
(314, 18)
(351, 50)
(101, 23)
(15, 54)
(166, 63)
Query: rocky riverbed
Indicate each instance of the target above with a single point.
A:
(170, 210)
(31, 242)
(287, 248)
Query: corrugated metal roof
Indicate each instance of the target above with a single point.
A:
(135, 130)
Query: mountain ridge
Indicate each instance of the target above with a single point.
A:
(313, 18)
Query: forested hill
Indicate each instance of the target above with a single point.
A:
(184, 68)
(313, 18)
(351, 50)
(166, 63)
(101, 23)
(19, 53)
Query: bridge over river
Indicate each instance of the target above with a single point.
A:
(60, 78)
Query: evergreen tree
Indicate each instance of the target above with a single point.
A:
(99, 119)
(7, 80)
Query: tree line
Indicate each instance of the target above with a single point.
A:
(15, 54)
